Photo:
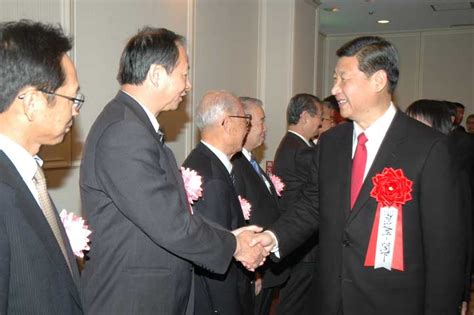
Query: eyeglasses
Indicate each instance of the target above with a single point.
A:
(77, 101)
(247, 117)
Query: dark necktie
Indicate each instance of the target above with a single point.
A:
(358, 167)
(232, 177)
(161, 136)
(48, 211)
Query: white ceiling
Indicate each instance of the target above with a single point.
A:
(360, 16)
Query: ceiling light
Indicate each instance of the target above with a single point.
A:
(383, 21)
(333, 9)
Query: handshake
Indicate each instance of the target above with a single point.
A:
(253, 246)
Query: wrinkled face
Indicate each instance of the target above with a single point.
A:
(238, 127)
(176, 84)
(352, 89)
(470, 125)
(55, 118)
(256, 134)
(327, 120)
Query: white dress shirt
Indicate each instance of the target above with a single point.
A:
(24, 162)
(375, 134)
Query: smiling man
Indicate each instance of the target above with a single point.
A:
(144, 237)
(390, 240)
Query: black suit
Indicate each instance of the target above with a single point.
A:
(265, 211)
(34, 276)
(293, 159)
(144, 238)
(230, 293)
(433, 235)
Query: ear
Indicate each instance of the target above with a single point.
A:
(304, 117)
(380, 80)
(156, 74)
(31, 103)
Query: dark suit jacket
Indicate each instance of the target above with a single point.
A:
(231, 292)
(34, 277)
(433, 228)
(265, 209)
(144, 237)
(293, 160)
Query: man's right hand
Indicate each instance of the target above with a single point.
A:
(250, 256)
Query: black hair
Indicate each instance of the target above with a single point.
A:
(300, 103)
(30, 55)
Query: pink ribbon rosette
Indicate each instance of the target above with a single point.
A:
(391, 190)
(192, 184)
(77, 232)
(277, 183)
(246, 208)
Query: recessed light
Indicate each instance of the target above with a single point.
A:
(383, 21)
(332, 9)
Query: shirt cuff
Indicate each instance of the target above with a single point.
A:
(275, 250)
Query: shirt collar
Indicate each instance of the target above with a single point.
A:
(151, 117)
(24, 162)
(302, 138)
(220, 155)
(378, 128)
(247, 154)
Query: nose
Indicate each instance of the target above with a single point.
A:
(75, 111)
(188, 85)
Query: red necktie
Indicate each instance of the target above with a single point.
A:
(358, 167)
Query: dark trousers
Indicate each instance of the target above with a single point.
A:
(298, 294)
(263, 301)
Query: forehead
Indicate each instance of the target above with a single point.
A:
(182, 58)
(347, 64)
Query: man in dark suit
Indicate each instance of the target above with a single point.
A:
(223, 126)
(364, 267)
(253, 184)
(38, 100)
(292, 161)
(145, 237)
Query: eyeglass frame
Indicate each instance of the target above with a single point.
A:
(77, 101)
(247, 117)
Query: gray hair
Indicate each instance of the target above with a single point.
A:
(248, 102)
(213, 106)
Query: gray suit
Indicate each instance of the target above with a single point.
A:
(144, 237)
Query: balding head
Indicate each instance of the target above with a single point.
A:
(221, 119)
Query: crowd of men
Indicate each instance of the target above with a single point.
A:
(371, 219)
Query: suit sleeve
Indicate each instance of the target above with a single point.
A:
(301, 218)
(443, 232)
(144, 193)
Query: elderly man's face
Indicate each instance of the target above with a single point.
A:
(256, 134)
(56, 117)
(327, 120)
(239, 127)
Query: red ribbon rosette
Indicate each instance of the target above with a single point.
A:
(391, 189)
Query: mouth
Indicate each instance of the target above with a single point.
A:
(342, 102)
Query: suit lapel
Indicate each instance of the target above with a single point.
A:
(170, 160)
(215, 161)
(34, 216)
(386, 156)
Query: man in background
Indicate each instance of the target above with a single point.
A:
(39, 98)
(292, 164)
(145, 238)
(254, 185)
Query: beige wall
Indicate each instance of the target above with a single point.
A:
(257, 48)
(436, 64)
